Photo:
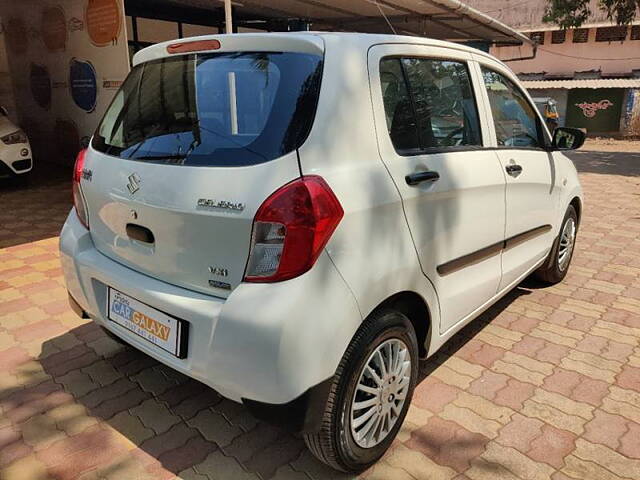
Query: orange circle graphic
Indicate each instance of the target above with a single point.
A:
(54, 28)
(103, 19)
(17, 39)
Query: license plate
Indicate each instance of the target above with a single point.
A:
(164, 331)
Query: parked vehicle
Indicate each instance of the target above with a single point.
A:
(548, 107)
(15, 151)
(295, 219)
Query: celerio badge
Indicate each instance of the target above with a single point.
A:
(224, 204)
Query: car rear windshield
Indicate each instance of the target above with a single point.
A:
(220, 109)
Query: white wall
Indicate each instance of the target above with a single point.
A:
(6, 86)
(51, 39)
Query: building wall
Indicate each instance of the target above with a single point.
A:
(66, 60)
(527, 14)
(6, 86)
(612, 58)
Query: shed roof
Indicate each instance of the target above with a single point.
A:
(439, 19)
(584, 83)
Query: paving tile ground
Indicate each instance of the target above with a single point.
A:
(544, 385)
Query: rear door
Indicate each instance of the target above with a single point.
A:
(187, 152)
(452, 189)
(531, 197)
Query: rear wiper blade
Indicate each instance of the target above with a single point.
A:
(177, 156)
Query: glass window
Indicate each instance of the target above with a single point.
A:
(401, 120)
(515, 120)
(580, 35)
(213, 109)
(445, 107)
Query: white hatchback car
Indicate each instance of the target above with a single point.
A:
(296, 219)
(15, 151)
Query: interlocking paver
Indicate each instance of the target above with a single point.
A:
(546, 384)
(131, 428)
(155, 415)
(215, 428)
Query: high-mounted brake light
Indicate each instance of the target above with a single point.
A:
(78, 198)
(194, 46)
(291, 228)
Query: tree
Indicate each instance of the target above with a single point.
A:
(573, 13)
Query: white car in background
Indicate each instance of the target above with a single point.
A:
(296, 219)
(15, 151)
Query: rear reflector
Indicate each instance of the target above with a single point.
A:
(78, 197)
(195, 46)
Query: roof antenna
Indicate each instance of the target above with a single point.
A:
(385, 17)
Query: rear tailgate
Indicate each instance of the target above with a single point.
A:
(187, 152)
(204, 248)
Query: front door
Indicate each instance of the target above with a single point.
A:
(452, 188)
(531, 197)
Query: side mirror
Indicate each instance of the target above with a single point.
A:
(4, 111)
(567, 138)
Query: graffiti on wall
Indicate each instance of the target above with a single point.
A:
(40, 82)
(103, 21)
(83, 84)
(17, 38)
(596, 109)
(589, 109)
(53, 28)
(67, 59)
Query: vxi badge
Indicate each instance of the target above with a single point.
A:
(224, 204)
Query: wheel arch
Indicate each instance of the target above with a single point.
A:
(416, 309)
(576, 203)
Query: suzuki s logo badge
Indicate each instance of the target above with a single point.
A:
(134, 183)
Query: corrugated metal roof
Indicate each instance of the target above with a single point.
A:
(585, 83)
(438, 19)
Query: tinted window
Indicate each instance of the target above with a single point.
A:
(213, 109)
(401, 120)
(515, 120)
(446, 109)
(438, 106)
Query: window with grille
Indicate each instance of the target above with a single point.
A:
(558, 36)
(611, 34)
(635, 32)
(580, 35)
(537, 37)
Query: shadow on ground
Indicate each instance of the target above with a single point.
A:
(34, 209)
(171, 422)
(607, 163)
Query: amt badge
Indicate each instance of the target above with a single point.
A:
(83, 84)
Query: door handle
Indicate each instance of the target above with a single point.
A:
(513, 169)
(419, 177)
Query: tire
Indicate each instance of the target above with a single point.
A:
(335, 443)
(554, 270)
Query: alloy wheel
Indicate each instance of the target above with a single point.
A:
(381, 392)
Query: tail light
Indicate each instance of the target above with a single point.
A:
(291, 228)
(78, 198)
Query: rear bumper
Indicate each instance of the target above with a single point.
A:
(270, 346)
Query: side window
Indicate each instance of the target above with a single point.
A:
(515, 120)
(447, 115)
(401, 120)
